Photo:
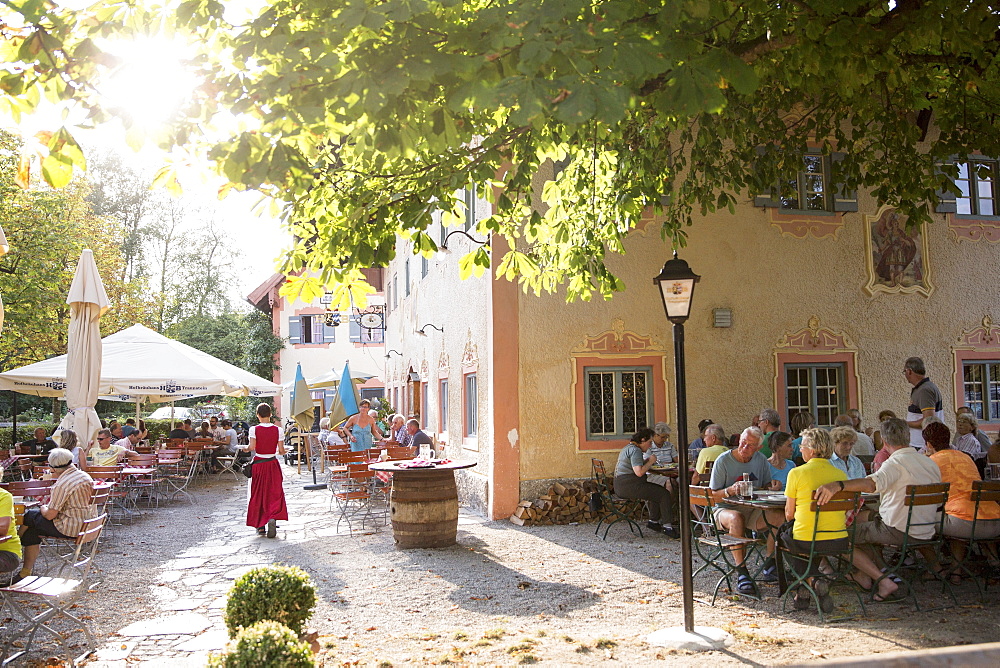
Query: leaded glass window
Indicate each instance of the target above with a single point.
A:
(619, 401)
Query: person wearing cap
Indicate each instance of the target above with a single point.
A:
(68, 507)
(106, 453)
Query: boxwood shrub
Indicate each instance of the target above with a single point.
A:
(283, 594)
(264, 644)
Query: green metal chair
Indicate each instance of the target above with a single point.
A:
(714, 546)
(918, 496)
(613, 508)
(983, 491)
(839, 560)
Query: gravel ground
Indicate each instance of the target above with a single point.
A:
(503, 595)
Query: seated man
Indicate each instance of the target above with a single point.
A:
(178, 432)
(10, 543)
(67, 509)
(41, 444)
(736, 520)
(418, 437)
(715, 446)
(904, 466)
(106, 453)
(189, 429)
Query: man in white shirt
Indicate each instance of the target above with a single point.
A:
(905, 466)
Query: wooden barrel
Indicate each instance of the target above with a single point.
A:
(424, 508)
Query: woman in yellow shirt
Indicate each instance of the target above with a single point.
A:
(817, 448)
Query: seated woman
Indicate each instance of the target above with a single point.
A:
(881, 454)
(631, 483)
(69, 440)
(960, 470)
(204, 431)
(817, 448)
(780, 460)
(966, 441)
(843, 457)
(324, 430)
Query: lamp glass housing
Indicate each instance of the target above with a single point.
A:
(676, 282)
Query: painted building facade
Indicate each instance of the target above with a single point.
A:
(809, 302)
(321, 342)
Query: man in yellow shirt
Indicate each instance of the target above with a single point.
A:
(10, 544)
(715, 445)
(106, 453)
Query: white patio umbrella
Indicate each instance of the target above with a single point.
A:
(87, 303)
(331, 379)
(140, 364)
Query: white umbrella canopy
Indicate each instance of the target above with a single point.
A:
(87, 303)
(141, 364)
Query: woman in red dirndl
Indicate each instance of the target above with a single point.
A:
(267, 498)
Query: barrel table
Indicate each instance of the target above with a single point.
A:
(423, 504)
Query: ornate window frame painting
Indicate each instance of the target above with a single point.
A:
(897, 258)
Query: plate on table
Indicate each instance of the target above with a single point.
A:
(767, 495)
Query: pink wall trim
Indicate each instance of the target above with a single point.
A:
(850, 375)
(505, 482)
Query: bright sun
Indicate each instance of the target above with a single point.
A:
(151, 83)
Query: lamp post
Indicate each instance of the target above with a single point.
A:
(676, 282)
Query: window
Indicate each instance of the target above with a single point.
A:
(395, 290)
(388, 296)
(816, 389)
(310, 329)
(359, 334)
(810, 190)
(981, 389)
(424, 266)
(443, 405)
(470, 207)
(424, 415)
(471, 406)
(813, 190)
(618, 401)
(406, 278)
(977, 185)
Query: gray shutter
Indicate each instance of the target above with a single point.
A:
(294, 329)
(355, 333)
(843, 199)
(946, 200)
(766, 200)
(329, 333)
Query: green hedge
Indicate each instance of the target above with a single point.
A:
(281, 593)
(263, 645)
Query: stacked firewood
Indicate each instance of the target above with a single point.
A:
(564, 504)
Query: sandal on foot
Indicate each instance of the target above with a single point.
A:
(745, 585)
(894, 597)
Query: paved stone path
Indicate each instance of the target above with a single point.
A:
(189, 590)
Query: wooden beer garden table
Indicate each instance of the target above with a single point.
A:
(424, 502)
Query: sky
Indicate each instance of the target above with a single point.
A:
(151, 86)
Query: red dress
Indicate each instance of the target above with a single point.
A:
(267, 498)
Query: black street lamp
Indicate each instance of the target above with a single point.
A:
(676, 282)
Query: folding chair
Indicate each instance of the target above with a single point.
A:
(612, 506)
(33, 489)
(143, 485)
(177, 471)
(715, 547)
(983, 491)
(353, 494)
(916, 497)
(838, 560)
(56, 596)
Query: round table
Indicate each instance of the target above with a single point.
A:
(424, 503)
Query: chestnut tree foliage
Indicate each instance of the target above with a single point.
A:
(363, 117)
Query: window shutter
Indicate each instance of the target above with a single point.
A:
(329, 333)
(294, 329)
(766, 200)
(843, 199)
(355, 333)
(946, 200)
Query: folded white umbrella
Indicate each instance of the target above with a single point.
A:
(140, 364)
(87, 303)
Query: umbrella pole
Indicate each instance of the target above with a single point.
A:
(13, 435)
(312, 466)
